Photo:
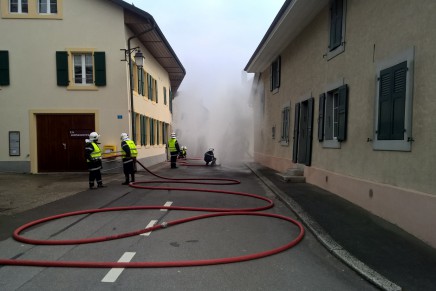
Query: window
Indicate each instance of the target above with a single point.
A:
(332, 118)
(87, 69)
(48, 6)
(83, 71)
(393, 118)
(18, 6)
(275, 75)
(284, 139)
(337, 28)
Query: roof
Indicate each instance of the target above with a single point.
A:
(292, 18)
(154, 41)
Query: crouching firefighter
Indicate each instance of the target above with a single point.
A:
(93, 160)
(209, 157)
(129, 154)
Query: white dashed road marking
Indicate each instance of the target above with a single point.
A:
(113, 274)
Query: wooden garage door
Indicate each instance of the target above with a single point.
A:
(61, 141)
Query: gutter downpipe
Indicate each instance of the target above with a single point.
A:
(132, 113)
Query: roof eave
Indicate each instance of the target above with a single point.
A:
(292, 18)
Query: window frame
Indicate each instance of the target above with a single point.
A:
(333, 52)
(404, 144)
(20, 6)
(33, 11)
(84, 65)
(332, 136)
(48, 4)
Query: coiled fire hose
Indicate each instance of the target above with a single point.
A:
(215, 213)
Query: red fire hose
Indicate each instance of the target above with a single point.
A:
(216, 212)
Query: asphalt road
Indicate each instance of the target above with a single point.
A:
(306, 266)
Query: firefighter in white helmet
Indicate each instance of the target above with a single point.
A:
(93, 160)
(209, 157)
(174, 149)
(129, 154)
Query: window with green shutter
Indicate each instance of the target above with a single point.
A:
(4, 68)
(394, 102)
(275, 74)
(337, 28)
(88, 69)
(332, 117)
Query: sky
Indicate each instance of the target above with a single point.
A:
(214, 40)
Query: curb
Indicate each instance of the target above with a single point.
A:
(329, 243)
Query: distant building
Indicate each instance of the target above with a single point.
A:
(349, 98)
(64, 72)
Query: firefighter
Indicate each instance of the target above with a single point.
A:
(129, 154)
(182, 154)
(174, 149)
(209, 157)
(93, 160)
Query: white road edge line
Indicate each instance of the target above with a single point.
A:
(113, 274)
(150, 224)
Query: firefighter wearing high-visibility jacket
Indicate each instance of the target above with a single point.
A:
(129, 154)
(174, 149)
(93, 160)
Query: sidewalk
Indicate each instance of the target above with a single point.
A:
(380, 251)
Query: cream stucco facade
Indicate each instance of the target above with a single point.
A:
(390, 178)
(31, 42)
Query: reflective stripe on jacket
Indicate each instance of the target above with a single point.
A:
(172, 145)
(132, 147)
(96, 154)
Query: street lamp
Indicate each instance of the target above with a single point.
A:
(139, 61)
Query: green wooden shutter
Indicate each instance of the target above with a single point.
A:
(392, 102)
(100, 68)
(155, 85)
(342, 112)
(321, 117)
(310, 105)
(399, 101)
(336, 15)
(278, 68)
(4, 68)
(296, 132)
(62, 68)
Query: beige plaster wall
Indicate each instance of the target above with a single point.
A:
(404, 191)
(32, 44)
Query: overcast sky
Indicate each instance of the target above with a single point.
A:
(214, 40)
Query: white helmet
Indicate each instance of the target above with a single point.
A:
(211, 149)
(124, 136)
(93, 136)
(173, 135)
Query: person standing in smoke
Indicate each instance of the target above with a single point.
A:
(209, 157)
(93, 160)
(174, 149)
(129, 154)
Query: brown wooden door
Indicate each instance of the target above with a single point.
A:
(61, 141)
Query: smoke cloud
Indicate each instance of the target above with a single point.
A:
(221, 119)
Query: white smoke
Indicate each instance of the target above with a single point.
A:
(219, 118)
